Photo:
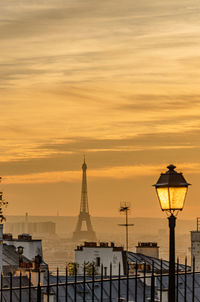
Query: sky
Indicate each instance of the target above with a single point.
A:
(115, 80)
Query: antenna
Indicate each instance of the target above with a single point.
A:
(125, 208)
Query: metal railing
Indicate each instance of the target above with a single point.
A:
(140, 286)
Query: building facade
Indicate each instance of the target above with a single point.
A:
(101, 255)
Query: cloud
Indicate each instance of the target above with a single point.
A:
(118, 172)
(93, 69)
(64, 154)
(160, 102)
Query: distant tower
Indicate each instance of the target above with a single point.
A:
(84, 216)
(195, 246)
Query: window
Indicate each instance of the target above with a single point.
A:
(97, 261)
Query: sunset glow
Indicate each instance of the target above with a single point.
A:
(116, 81)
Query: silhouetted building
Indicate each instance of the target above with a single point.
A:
(47, 227)
(195, 246)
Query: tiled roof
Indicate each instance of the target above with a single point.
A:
(15, 292)
(140, 258)
(11, 257)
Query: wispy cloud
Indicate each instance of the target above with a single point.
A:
(116, 80)
(118, 172)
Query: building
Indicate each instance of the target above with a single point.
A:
(13, 261)
(41, 228)
(102, 254)
(150, 249)
(22, 253)
(31, 247)
(195, 246)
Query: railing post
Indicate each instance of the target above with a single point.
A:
(152, 284)
(144, 278)
(84, 300)
(1, 286)
(57, 289)
(127, 281)
(48, 289)
(185, 286)
(102, 283)
(136, 279)
(20, 286)
(93, 282)
(11, 288)
(161, 279)
(75, 282)
(29, 287)
(66, 285)
(193, 279)
(119, 280)
(110, 282)
(38, 288)
(177, 278)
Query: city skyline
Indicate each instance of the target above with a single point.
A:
(115, 81)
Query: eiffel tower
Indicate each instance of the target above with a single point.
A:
(84, 216)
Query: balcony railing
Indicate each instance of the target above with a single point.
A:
(137, 286)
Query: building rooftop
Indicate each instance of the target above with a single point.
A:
(16, 294)
(147, 244)
(123, 287)
(140, 258)
(21, 237)
(100, 245)
(11, 257)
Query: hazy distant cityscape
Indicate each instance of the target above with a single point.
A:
(58, 248)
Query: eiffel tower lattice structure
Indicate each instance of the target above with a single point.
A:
(84, 216)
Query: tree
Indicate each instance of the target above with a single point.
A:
(72, 268)
(90, 268)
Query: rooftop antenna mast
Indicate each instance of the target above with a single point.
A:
(125, 208)
(2, 204)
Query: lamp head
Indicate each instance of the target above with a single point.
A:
(171, 189)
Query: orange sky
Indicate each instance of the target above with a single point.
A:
(117, 81)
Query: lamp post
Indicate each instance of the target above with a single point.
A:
(171, 189)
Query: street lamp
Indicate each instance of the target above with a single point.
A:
(171, 190)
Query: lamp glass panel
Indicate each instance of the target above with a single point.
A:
(177, 197)
(163, 195)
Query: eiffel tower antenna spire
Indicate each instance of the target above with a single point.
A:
(84, 197)
(84, 216)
